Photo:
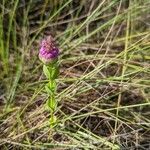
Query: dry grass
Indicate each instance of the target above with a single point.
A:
(103, 87)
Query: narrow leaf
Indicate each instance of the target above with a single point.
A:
(46, 71)
(52, 103)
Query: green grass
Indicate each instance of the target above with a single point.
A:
(103, 87)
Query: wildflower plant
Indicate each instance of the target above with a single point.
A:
(48, 54)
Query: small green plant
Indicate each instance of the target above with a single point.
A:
(48, 54)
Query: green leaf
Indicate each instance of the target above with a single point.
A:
(48, 90)
(53, 121)
(47, 71)
(52, 85)
(55, 72)
(51, 103)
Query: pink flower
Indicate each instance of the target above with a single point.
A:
(48, 51)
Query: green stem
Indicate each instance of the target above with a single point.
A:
(51, 72)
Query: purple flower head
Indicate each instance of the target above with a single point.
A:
(48, 50)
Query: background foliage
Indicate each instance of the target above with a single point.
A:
(103, 87)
